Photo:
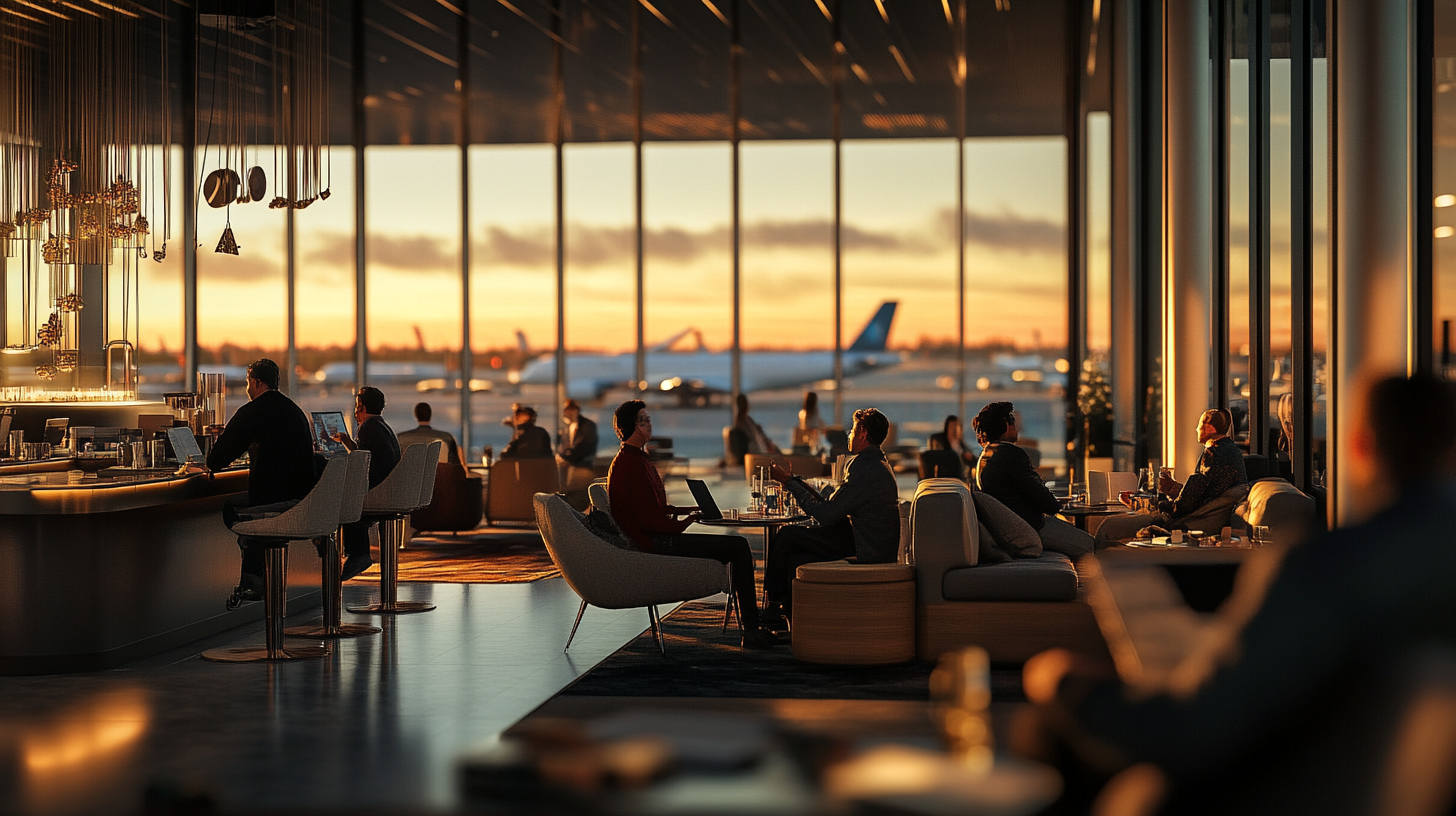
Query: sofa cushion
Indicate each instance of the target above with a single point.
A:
(987, 552)
(843, 572)
(1216, 513)
(1283, 508)
(1050, 577)
(942, 518)
(1011, 532)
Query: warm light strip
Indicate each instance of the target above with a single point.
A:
(117, 9)
(904, 67)
(945, 4)
(656, 13)
(717, 13)
(70, 5)
(863, 75)
(452, 7)
(412, 44)
(543, 29)
(42, 8)
(22, 16)
(880, 4)
(813, 70)
(825, 10)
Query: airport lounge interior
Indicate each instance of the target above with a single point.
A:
(727, 407)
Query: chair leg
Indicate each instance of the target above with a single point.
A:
(391, 533)
(730, 606)
(333, 589)
(275, 605)
(570, 637)
(656, 629)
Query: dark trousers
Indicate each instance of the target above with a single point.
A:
(356, 538)
(236, 509)
(725, 549)
(796, 546)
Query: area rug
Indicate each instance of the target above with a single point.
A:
(702, 661)
(490, 556)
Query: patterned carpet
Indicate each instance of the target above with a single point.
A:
(702, 661)
(482, 556)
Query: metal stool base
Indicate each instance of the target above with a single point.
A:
(342, 630)
(396, 608)
(253, 654)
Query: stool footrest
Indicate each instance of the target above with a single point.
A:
(396, 608)
(321, 631)
(253, 654)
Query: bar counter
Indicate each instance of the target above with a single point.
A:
(120, 566)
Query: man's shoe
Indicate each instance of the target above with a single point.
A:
(355, 565)
(248, 590)
(759, 639)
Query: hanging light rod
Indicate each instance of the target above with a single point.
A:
(717, 13)
(117, 9)
(37, 7)
(22, 16)
(71, 5)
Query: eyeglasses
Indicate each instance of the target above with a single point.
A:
(644, 419)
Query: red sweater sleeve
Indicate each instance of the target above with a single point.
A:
(639, 503)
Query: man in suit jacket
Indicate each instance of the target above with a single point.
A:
(530, 441)
(378, 438)
(860, 520)
(423, 434)
(577, 446)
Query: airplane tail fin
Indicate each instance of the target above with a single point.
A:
(521, 343)
(876, 332)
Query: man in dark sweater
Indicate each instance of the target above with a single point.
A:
(860, 520)
(640, 509)
(275, 434)
(1220, 468)
(378, 438)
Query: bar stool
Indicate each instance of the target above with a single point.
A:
(356, 486)
(317, 516)
(390, 503)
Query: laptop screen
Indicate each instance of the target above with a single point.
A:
(184, 445)
(704, 498)
(325, 425)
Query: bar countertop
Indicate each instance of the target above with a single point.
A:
(51, 491)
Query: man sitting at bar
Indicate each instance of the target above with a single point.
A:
(378, 438)
(276, 435)
(1220, 468)
(860, 520)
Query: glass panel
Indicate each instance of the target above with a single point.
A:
(1096, 396)
(324, 274)
(239, 297)
(1444, 186)
(412, 269)
(1016, 283)
(512, 280)
(1280, 260)
(1320, 204)
(159, 342)
(899, 246)
(788, 276)
(1238, 248)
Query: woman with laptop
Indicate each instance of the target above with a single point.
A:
(640, 508)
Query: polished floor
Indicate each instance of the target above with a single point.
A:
(378, 725)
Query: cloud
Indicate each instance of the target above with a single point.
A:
(1007, 231)
(421, 253)
(242, 268)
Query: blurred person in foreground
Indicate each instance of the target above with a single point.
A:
(640, 509)
(1005, 473)
(860, 520)
(423, 434)
(1228, 729)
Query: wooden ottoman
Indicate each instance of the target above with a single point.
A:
(854, 614)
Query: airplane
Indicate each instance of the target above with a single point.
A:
(381, 372)
(693, 376)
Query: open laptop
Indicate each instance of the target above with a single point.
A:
(184, 445)
(325, 425)
(704, 497)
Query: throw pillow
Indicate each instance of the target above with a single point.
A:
(600, 524)
(986, 549)
(1011, 532)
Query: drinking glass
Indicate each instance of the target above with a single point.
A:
(1261, 535)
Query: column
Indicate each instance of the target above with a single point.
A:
(1371, 292)
(1187, 231)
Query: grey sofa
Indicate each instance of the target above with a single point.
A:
(1013, 610)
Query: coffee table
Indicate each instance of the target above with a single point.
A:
(1078, 514)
